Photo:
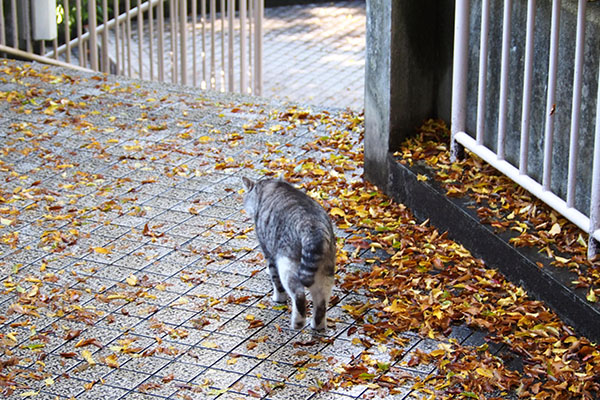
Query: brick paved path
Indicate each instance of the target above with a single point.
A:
(312, 54)
(128, 269)
(315, 54)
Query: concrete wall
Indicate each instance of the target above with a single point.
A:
(407, 74)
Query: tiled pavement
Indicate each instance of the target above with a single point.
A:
(312, 54)
(315, 54)
(123, 245)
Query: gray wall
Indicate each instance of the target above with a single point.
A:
(407, 74)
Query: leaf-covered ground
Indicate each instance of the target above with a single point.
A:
(130, 272)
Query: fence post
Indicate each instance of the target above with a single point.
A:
(258, 46)
(183, 43)
(93, 34)
(459, 76)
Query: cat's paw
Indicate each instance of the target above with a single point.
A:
(279, 297)
(318, 327)
(298, 322)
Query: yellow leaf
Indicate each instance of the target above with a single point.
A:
(111, 361)
(561, 260)
(5, 221)
(422, 178)
(30, 393)
(555, 230)
(101, 250)
(210, 345)
(204, 139)
(337, 211)
(132, 280)
(49, 381)
(300, 376)
(591, 297)
(11, 336)
(87, 355)
(485, 372)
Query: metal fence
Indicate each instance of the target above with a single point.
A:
(214, 44)
(587, 220)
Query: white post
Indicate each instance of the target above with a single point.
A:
(527, 82)
(459, 74)
(551, 95)
(505, 62)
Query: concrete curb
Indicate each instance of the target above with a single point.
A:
(428, 200)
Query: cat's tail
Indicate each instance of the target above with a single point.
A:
(313, 254)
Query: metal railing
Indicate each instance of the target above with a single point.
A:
(215, 44)
(587, 221)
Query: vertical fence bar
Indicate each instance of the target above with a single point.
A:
(27, 30)
(123, 39)
(140, 29)
(483, 58)
(151, 38)
(55, 47)
(593, 245)
(161, 40)
(2, 25)
(504, 70)
(82, 62)
(243, 72)
(213, 63)
(194, 20)
(15, 23)
(105, 63)
(183, 38)
(222, 69)
(551, 95)
(527, 83)
(459, 74)
(116, 17)
(230, 15)
(203, 12)
(258, 46)
(173, 13)
(127, 37)
(67, 31)
(93, 34)
(213, 57)
(250, 45)
(576, 105)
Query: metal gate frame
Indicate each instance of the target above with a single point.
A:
(460, 139)
(175, 49)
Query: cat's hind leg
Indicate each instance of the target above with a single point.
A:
(320, 292)
(279, 295)
(287, 269)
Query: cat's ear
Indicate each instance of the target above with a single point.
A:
(248, 183)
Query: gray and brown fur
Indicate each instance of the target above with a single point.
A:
(297, 239)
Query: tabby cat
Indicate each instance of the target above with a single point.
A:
(297, 239)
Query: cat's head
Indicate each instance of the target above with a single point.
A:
(251, 196)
